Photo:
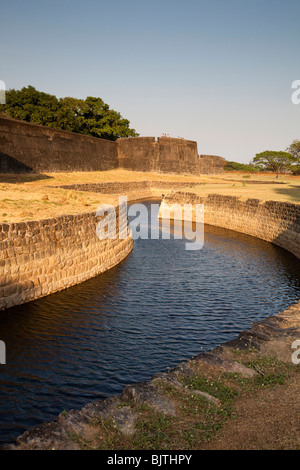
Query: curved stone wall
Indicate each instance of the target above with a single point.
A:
(34, 250)
(273, 221)
(46, 256)
(42, 257)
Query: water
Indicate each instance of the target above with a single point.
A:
(162, 304)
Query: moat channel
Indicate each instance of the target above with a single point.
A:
(161, 305)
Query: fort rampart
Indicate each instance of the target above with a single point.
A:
(26, 147)
(42, 257)
(272, 221)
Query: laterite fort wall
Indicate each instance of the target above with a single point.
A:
(273, 221)
(46, 256)
(26, 147)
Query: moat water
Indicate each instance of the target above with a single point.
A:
(161, 305)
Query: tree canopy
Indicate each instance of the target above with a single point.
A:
(235, 166)
(294, 148)
(90, 116)
(271, 160)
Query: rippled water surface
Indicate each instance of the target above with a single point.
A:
(160, 305)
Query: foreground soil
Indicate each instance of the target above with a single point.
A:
(268, 420)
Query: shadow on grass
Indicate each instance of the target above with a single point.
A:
(22, 177)
(292, 193)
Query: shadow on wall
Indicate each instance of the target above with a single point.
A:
(14, 171)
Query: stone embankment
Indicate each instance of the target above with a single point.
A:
(272, 221)
(38, 258)
(42, 257)
(176, 393)
(123, 188)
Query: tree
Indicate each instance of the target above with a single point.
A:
(235, 166)
(31, 105)
(277, 162)
(90, 116)
(294, 148)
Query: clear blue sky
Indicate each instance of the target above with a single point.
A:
(218, 72)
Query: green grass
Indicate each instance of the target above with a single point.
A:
(197, 420)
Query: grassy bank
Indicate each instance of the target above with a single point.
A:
(32, 197)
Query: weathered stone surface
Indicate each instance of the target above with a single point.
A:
(124, 419)
(47, 436)
(126, 187)
(147, 393)
(52, 263)
(228, 366)
(170, 379)
(166, 155)
(83, 422)
(27, 147)
(272, 221)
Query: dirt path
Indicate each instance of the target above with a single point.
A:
(270, 420)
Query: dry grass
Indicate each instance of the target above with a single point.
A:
(261, 176)
(20, 202)
(32, 197)
(267, 192)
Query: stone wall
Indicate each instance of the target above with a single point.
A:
(123, 188)
(38, 258)
(43, 257)
(275, 222)
(211, 164)
(166, 155)
(26, 147)
(138, 153)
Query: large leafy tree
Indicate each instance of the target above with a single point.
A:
(277, 162)
(90, 116)
(235, 166)
(294, 148)
(31, 105)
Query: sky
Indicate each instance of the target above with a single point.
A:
(218, 72)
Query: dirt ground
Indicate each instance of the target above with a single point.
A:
(270, 420)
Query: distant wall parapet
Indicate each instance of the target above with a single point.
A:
(209, 164)
(166, 155)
